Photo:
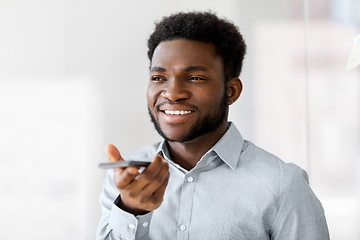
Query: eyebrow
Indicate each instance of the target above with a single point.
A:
(157, 69)
(196, 68)
(187, 69)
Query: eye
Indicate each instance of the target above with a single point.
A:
(158, 78)
(197, 78)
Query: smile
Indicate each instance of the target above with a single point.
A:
(177, 112)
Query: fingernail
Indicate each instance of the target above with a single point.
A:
(132, 170)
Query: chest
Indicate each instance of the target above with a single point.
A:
(220, 204)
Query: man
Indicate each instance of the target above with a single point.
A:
(204, 181)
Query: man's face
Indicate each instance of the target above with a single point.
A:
(186, 91)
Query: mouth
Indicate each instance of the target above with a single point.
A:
(176, 112)
(176, 116)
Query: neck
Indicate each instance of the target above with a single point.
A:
(189, 153)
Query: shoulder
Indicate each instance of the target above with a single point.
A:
(270, 170)
(286, 199)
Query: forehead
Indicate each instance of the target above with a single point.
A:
(186, 52)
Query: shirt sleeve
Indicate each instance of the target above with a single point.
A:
(301, 215)
(116, 224)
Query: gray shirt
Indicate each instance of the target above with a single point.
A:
(236, 191)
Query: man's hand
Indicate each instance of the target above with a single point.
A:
(140, 193)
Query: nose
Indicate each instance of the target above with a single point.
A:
(175, 91)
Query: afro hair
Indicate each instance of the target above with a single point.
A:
(204, 27)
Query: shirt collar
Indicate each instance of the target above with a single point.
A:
(163, 150)
(228, 148)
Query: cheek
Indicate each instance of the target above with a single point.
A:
(151, 96)
(210, 98)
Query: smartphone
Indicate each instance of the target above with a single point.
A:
(123, 164)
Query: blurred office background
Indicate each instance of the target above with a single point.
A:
(73, 77)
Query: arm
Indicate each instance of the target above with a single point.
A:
(301, 215)
(107, 227)
(128, 198)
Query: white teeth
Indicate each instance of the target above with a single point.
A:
(177, 112)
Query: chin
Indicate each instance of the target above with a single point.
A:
(174, 137)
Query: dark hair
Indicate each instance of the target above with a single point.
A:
(205, 27)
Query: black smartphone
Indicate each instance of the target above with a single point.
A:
(123, 164)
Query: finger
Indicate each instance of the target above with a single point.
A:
(124, 177)
(113, 153)
(158, 181)
(158, 195)
(114, 156)
(147, 175)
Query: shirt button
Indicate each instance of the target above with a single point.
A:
(132, 226)
(182, 227)
(145, 224)
(190, 179)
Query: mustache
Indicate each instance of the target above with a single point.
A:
(168, 102)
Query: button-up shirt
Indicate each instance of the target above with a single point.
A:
(236, 191)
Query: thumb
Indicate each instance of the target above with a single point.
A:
(113, 153)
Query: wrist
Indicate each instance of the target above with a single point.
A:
(135, 211)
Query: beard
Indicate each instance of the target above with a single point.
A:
(204, 125)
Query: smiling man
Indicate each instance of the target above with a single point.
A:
(204, 180)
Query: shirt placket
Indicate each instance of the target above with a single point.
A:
(186, 203)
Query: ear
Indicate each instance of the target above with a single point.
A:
(234, 88)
